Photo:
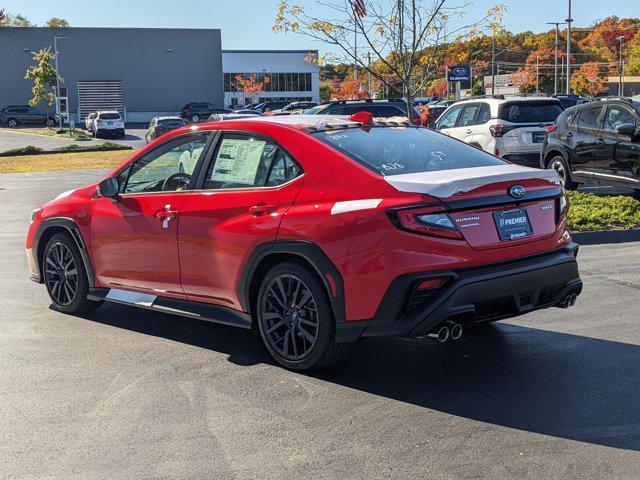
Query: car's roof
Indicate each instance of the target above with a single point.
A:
(514, 99)
(108, 111)
(169, 117)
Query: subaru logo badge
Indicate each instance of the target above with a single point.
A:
(459, 71)
(517, 191)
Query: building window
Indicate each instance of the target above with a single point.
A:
(278, 82)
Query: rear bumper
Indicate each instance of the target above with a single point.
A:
(473, 295)
(529, 159)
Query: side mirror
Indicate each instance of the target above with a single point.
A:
(109, 187)
(628, 129)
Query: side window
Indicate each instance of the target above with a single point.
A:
(283, 170)
(469, 115)
(388, 111)
(484, 115)
(589, 117)
(448, 119)
(167, 168)
(241, 161)
(336, 111)
(617, 115)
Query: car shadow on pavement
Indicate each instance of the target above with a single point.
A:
(540, 381)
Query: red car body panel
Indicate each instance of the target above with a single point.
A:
(203, 254)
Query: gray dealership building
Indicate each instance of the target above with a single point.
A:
(144, 72)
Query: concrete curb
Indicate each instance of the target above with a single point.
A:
(606, 236)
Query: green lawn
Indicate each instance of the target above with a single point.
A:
(49, 132)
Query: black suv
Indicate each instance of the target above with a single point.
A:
(265, 107)
(596, 142)
(15, 115)
(377, 108)
(198, 111)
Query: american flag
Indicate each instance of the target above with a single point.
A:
(359, 8)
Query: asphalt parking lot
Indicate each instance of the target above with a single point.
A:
(10, 140)
(124, 393)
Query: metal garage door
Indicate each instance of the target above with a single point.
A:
(96, 95)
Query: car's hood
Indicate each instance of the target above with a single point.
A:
(446, 183)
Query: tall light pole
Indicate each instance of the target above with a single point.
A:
(55, 52)
(620, 84)
(493, 63)
(568, 22)
(537, 74)
(555, 68)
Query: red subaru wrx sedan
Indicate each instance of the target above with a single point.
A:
(313, 232)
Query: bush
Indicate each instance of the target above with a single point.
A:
(30, 150)
(589, 212)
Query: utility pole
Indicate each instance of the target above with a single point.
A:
(620, 84)
(55, 52)
(493, 63)
(561, 75)
(555, 68)
(369, 72)
(568, 21)
(537, 74)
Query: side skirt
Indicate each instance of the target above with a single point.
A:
(183, 308)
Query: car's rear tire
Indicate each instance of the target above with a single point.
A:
(195, 118)
(12, 123)
(559, 164)
(65, 276)
(295, 319)
(50, 122)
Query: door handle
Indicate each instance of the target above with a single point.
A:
(165, 215)
(599, 141)
(569, 134)
(261, 209)
(469, 131)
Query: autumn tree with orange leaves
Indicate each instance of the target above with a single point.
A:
(349, 90)
(250, 85)
(588, 81)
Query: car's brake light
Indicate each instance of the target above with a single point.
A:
(499, 130)
(426, 221)
(550, 128)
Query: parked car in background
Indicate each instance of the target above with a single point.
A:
(161, 125)
(296, 107)
(312, 235)
(88, 121)
(198, 111)
(15, 115)
(569, 100)
(596, 142)
(509, 127)
(220, 117)
(108, 123)
(429, 113)
(265, 107)
(377, 108)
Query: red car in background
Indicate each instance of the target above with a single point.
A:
(313, 231)
(429, 113)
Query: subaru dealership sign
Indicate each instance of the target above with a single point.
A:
(461, 73)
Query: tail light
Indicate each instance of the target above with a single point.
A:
(499, 130)
(550, 128)
(426, 221)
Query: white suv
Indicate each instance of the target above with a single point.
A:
(108, 122)
(512, 128)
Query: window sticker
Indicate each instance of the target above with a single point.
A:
(238, 160)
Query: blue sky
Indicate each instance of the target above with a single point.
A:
(246, 24)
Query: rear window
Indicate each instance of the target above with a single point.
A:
(399, 150)
(530, 112)
(174, 122)
(109, 116)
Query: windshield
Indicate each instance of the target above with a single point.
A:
(174, 122)
(315, 110)
(399, 150)
(530, 112)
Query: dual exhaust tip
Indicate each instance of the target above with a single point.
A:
(569, 300)
(450, 331)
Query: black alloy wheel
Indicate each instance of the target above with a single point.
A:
(65, 276)
(295, 319)
(61, 274)
(559, 164)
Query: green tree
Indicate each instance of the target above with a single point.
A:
(43, 75)
(325, 92)
(4, 18)
(55, 22)
(20, 21)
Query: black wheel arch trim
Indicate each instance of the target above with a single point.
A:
(71, 226)
(310, 252)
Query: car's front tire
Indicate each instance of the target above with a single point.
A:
(12, 123)
(65, 276)
(295, 319)
(50, 122)
(195, 118)
(559, 164)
